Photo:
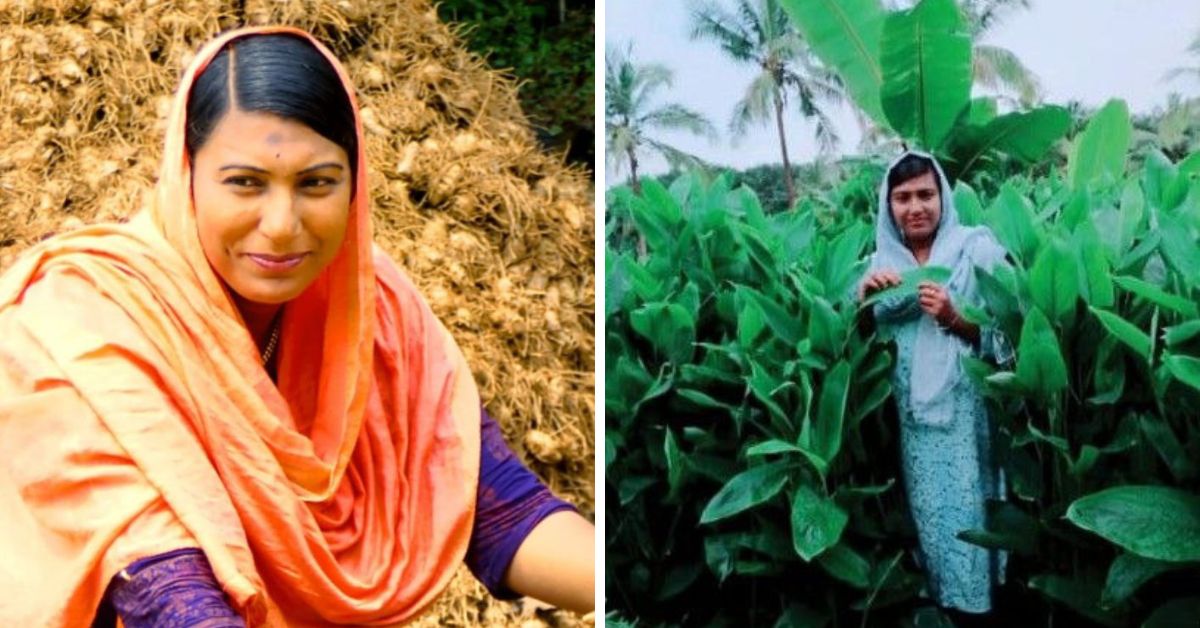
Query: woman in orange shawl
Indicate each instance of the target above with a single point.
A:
(238, 374)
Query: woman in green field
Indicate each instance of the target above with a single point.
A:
(945, 432)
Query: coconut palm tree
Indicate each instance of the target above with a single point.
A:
(630, 114)
(999, 68)
(1193, 71)
(759, 33)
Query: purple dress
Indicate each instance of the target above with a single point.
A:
(177, 588)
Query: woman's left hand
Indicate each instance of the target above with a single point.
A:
(935, 301)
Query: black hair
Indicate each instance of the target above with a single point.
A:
(911, 167)
(279, 74)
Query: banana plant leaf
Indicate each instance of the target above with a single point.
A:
(1101, 150)
(845, 36)
(926, 61)
(1024, 135)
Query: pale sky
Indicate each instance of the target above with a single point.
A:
(1085, 50)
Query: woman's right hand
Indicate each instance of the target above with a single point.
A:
(876, 281)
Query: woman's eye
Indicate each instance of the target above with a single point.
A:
(318, 183)
(242, 182)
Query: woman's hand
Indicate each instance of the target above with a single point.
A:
(935, 301)
(876, 281)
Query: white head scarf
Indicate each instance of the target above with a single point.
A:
(936, 353)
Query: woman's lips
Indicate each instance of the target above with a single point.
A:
(276, 263)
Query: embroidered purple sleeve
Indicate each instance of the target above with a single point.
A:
(173, 589)
(511, 501)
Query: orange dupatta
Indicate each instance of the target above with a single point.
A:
(135, 417)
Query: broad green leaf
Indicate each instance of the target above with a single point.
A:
(1179, 334)
(845, 564)
(827, 436)
(750, 323)
(1179, 248)
(966, 201)
(1011, 217)
(1157, 522)
(925, 54)
(1095, 273)
(1133, 213)
(825, 328)
(1126, 574)
(613, 441)
(1156, 295)
(785, 326)
(1184, 368)
(909, 280)
(1040, 365)
(769, 447)
(1101, 150)
(745, 490)
(845, 35)
(669, 327)
(1054, 281)
(1125, 331)
(1024, 135)
(817, 523)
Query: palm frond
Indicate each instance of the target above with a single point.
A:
(677, 117)
(711, 22)
(757, 105)
(1000, 68)
(676, 159)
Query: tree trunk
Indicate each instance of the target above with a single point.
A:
(633, 178)
(787, 165)
(637, 189)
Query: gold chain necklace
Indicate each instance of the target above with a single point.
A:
(270, 350)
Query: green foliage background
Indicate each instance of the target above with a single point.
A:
(549, 46)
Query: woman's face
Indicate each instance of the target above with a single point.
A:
(272, 201)
(917, 207)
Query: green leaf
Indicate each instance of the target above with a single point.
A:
(845, 35)
(1178, 246)
(676, 465)
(817, 523)
(1025, 135)
(825, 328)
(966, 201)
(1100, 151)
(1155, 522)
(1157, 296)
(827, 437)
(925, 54)
(745, 490)
(1126, 574)
(1095, 273)
(845, 564)
(1179, 334)
(784, 325)
(770, 447)
(1167, 444)
(1040, 365)
(1054, 281)
(750, 324)
(1011, 217)
(1184, 368)
(909, 280)
(669, 327)
(1126, 332)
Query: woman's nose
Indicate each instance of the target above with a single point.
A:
(279, 220)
